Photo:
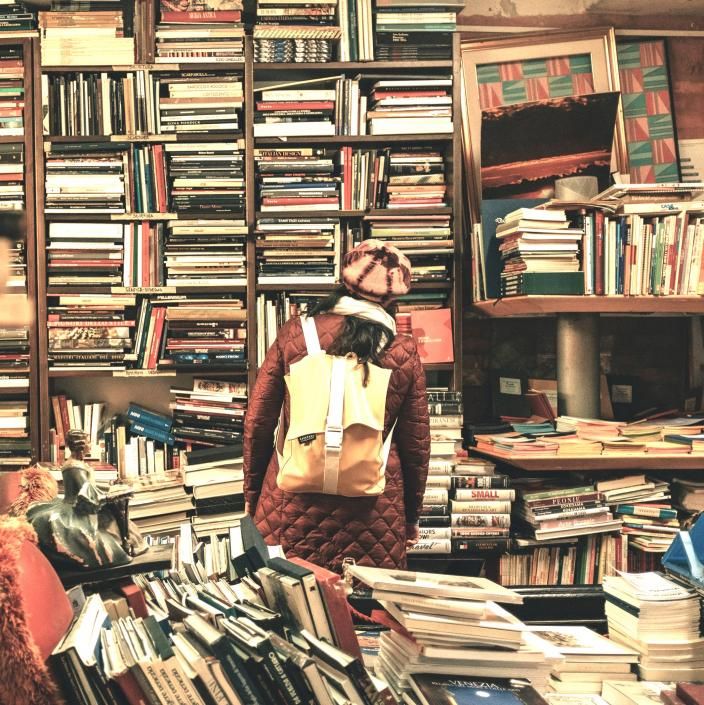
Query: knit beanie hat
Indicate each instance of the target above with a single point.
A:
(376, 271)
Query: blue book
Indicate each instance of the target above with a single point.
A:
(150, 418)
(155, 434)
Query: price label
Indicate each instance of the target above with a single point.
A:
(143, 290)
(144, 373)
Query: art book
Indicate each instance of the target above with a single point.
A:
(447, 690)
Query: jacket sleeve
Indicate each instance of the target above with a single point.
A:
(263, 412)
(413, 440)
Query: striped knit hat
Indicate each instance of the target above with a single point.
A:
(376, 271)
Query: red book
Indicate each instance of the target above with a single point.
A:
(11, 177)
(188, 17)
(160, 174)
(63, 408)
(135, 598)
(58, 420)
(300, 105)
(159, 318)
(408, 94)
(347, 154)
(130, 688)
(144, 248)
(599, 252)
(690, 693)
(335, 597)
(433, 333)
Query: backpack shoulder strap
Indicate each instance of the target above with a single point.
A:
(310, 333)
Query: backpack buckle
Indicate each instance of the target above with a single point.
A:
(333, 436)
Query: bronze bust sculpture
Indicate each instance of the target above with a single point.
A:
(87, 527)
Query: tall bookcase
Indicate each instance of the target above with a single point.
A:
(151, 387)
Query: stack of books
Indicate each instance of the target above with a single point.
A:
(12, 98)
(298, 250)
(209, 414)
(201, 102)
(86, 254)
(100, 103)
(71, 38)
(91, 332)
(15, 446)
(357, 31)
(206, 177)
(150, 424)
(68, 414)
(197, 32)
(17, 272)
(12, 169)
(143, 254)
(659, 619)
(147, 192)
(539, 253)
(435, 510)
(291, 179)
(425, 239)
(411, 106)
(17, 20)
(273, 310)
(452, 624)
(415, 30)
(295, 112)
(564, 512)
(589, 659)
(216, 479)
(160, 503)
(688, 495)
(205, 252)
(202, 331)
(89, 181)
(290, 31)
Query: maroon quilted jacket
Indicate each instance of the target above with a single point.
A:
(326, 529)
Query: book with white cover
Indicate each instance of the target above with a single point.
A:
(433, 584)
(583, 644)
(630, 693)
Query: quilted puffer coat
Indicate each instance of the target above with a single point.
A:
(326, 529)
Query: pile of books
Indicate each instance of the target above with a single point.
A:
(150, 424)
(298, 250)
(15, 446)
(539, 253)
(89, 181)
(205, 252)
(17, 20)
(290, 31)
(12, 96)
(415, 30)
(292, 179)
(411, 106)
(199, 32)
(687, 495)
(216, 479)
(12, 169)
(273, 310)
(202, 331)
(209, 414)
(295, 112)
(86, 254)
(71, 38)
(90, 332)
(425, 239)
(648, 519)
(200, 102)
(160, 503)
(17, 271)
(588, 659)
(100, 103)
(147, 188)
(567, 561)
(659, 619)
(452, 625)
(564, 512)
(206, 177)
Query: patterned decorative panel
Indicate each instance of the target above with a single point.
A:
(537, 79)
(647, 108)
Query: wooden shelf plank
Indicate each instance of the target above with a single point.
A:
(209, 136)
(356, 139)
(598, 463)
(82, 290)
(626, 305)
(158, 68)
(353, 213)
(149, 374)
(296, 287)
(356, 66)
(12, 139)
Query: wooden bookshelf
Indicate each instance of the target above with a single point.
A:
(252, 74)
(595, 463)
(515, 306)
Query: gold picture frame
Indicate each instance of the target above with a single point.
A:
(598, 43)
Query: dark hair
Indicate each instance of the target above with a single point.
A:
(366, 339)
(12, 225)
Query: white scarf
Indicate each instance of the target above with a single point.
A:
(348, 306)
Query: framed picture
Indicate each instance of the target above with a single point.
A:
(546, 68)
